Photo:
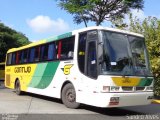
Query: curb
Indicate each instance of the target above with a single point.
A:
(156, 101)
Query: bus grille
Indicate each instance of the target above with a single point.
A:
(129, 88)
(7, 80)
(140, 88)
(126, 88)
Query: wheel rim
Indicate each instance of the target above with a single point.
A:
(70, 95)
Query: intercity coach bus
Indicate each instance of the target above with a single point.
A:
(97, 66)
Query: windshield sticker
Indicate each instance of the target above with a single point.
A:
(113, 63)
(93, 62)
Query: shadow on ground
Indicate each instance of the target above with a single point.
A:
(2, 85)
(123, 111)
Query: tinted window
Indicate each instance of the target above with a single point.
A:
(117, 57)
(52, 52)
(24, 56)
(92, 60)
(18, 57)
(62, 49)
(9, 58)
(44, 52)
(81, 51)
(124, 55)
(13, 58)
(67, 48)
(37, 54)
(31, 54)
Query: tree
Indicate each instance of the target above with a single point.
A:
(150, 28)
(98, 10)
(9, 38)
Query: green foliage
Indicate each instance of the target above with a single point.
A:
(98, 10)
(9, 38)
(150, 28)
(119, 23)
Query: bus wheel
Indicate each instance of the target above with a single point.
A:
(18, 88)
(69, 96)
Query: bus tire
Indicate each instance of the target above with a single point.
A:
(69, 96)
(18, 88)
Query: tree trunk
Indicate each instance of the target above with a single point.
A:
(85, 22)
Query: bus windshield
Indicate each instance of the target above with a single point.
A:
(124, 55)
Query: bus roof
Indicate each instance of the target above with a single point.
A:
(108, 29)
(69, 34)
(41, 42)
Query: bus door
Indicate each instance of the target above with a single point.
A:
(87, 59)
(91, 55)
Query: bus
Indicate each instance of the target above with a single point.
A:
(97, 66)
(2, 69)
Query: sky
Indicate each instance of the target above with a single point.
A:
(40, 19)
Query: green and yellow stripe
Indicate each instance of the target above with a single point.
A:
(132, 81)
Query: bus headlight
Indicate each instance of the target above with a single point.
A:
(110, 89)
(149, 88)
(105, 89)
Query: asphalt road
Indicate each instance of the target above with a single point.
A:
(35, 107)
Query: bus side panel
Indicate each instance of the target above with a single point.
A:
(66, 71)
(23, 73)
(51, 80)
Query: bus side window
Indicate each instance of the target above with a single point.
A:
(37, 54)
(9, 58)
(13, 58)
(17, 57)
(67, 48)
(81, 51)
(24, 55)
(52, 51)
(92, 61)
(44, 52)
(31, 54)
(59, 49)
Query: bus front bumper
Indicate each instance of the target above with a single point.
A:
(126, 99)
(105, 100)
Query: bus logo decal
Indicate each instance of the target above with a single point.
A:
(66, 69)
(22, 69)
(126, 80)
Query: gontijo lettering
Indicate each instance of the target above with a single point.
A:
(22, 69)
